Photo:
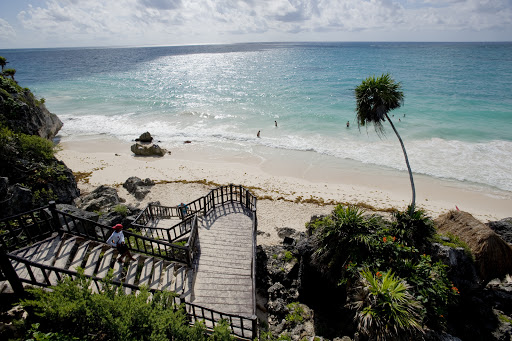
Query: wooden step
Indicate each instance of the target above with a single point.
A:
(118, 270)
(62, 257)
(103, 268)
(156, 277)
(167, 278)
(145, 275)
(179, 275)
(79, 257)
(92, 260)
(131, 274)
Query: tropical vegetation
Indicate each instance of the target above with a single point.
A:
(385, 267)
(72, 311)
(375, 97)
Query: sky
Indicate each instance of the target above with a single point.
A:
(76, 23)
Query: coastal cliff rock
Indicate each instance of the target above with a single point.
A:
(150, 150)
(23, 113)
(503, 227)
(103, 198)
(32, 175)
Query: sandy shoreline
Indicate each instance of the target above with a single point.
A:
(285, 178)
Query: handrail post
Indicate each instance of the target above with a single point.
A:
(240, 194)
(55, 217)
(204, 204)
(10, 273)
(231, 191)
(254, 328)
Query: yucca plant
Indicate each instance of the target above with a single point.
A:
(385, 309)
(413, 227)
(346, 231)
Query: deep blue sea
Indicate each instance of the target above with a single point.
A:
(456, 121)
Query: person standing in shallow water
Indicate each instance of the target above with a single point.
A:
(117, 240)
(275, 123)
(258, 134)
(348, 124)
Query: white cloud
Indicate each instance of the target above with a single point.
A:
(6, 30)
(124, 22)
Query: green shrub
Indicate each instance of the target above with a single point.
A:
(346, 226)
(72, 309)
(454, 242)
(348, 243)
(288, 256)
(415, 230)
(36, 335)
(36, 146)
(385, 308)
(42, 196)
(296, 313)
(121, 209)
(433, 290)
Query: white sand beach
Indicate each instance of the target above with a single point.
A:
(291, 186)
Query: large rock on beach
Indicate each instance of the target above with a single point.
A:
(145, 137)
(493, 256)
(138, 187)
(149, 150)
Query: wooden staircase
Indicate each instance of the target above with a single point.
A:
(70, 252)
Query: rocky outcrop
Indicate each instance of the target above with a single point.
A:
(103, 198)
(24, 113)
(503, 228)
(148, 150)
(145, 138)
(32, 176)
(461, 268)
(138, 187)
(15, 198)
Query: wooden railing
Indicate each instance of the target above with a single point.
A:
(36, 225)
(42, 275)
(216, 197)
(243, 327)
(26, 228)
(95, 231)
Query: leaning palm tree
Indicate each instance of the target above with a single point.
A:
(3, 62)
(11, 73)
(375, 97)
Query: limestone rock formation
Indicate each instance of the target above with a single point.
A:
(32, 175)
(101, 199)
(148, 150)
(24, 113)
(503, 227)
(138, 187)
(145, 137)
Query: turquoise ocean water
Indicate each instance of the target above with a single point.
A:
(456, 121)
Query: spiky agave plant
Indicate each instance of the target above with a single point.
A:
(385, 309)
(347, 231)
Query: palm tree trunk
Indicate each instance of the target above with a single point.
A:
(413, 203)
